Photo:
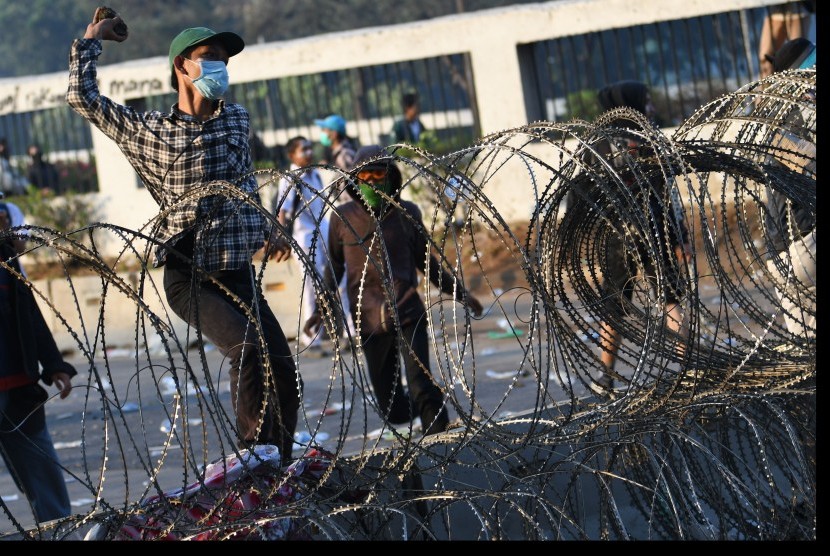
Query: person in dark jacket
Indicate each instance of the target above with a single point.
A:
(377, 239)
(42, 173)
(665, 221)
(26, 345)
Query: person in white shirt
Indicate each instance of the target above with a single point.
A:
(300, 205)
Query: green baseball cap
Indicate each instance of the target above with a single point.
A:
(197, 35)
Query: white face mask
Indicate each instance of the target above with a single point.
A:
(213, 79)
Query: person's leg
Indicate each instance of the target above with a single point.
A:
(349, 327)
(286, 382)
(617, 286)
(674, 317)
(799, 301)
(782, 23)
(385, 374)
(35, 468)
(307, 308)
(677, 322)
(609, 343)
(232, 329)
(427, 398)
(676, 289)
(312, 256)
(794, 273)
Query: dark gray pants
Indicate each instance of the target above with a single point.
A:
(383, 360)
(265, 385)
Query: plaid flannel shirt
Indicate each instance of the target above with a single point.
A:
(177, 156)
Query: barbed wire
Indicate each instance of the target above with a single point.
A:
(709, 433)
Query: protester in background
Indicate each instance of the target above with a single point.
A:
(665, 218)
(783, 22)
(263, 155)
(205, 245)
(377, 241)
(11, 183)
(339, 147)
(790, 225)
(408, 129)
(26, 346)
(42, 174)
(340, 152)
(302, 209)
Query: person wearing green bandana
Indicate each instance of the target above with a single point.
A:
(379, 242)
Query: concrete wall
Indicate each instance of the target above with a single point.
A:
(492, 37)
(76, 307)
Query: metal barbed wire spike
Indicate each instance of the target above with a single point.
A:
(708, 434)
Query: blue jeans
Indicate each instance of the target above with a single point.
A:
(34, 466)
(266, 400)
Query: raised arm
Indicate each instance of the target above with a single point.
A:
(116, 121)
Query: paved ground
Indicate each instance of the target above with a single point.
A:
(114, 453)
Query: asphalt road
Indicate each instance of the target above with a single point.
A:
(114, 434)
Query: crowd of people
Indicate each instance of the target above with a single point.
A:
(206, 246)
